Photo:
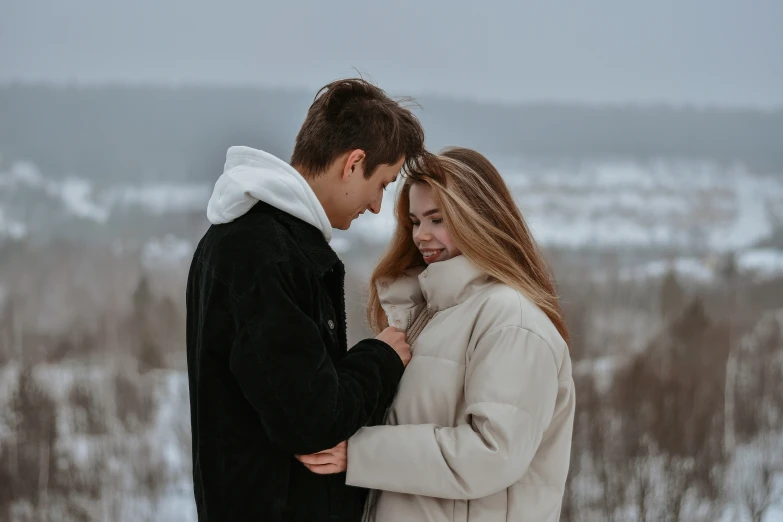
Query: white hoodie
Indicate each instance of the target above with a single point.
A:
(250, 176)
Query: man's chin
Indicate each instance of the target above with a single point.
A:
(346, 224)
(341, 225)
(349, 222)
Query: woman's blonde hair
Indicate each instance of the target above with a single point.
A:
(484, 223)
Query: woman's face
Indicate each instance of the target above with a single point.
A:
(429, 232)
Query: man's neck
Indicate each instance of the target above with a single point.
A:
(321, 186)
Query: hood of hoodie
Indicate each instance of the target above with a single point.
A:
(250, 176)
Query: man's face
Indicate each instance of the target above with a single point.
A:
(359, 194)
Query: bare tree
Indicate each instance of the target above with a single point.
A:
(753, 475)
(644, 487)
(35, 433)
(672, 296)
(151, 473)
(729, 272)
(89, 415)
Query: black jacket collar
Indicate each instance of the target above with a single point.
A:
(309, 238)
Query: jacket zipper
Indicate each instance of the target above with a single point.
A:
(372, 496)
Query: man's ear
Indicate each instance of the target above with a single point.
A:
(354, 164)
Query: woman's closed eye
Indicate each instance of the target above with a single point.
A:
(437, 221)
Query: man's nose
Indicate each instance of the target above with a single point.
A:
(375, 206)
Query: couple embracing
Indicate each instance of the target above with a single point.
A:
(462, 407)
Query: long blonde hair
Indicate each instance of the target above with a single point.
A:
(484, 223)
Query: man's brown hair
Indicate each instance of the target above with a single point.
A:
(354, 114)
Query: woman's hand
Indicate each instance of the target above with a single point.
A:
(327, 462)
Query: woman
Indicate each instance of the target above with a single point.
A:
(480, 429)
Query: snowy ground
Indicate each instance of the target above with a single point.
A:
(668, 203)
(680, 205)
(665, 205)
(611, 203)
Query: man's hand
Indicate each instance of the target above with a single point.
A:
(395, 338)
(327, 462)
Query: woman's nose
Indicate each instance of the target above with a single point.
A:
(422, 234)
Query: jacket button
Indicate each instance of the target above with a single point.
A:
(392, 307)
(331, 324)
(397, 322)
(384, 284)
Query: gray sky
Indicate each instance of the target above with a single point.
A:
(597, 51)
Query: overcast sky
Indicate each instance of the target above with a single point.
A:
(707, 52)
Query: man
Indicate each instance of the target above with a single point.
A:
(269, 371)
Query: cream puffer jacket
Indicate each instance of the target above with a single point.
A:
(480, 430)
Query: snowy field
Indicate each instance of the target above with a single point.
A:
(684, 214)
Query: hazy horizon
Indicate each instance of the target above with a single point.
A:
(416, 97)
